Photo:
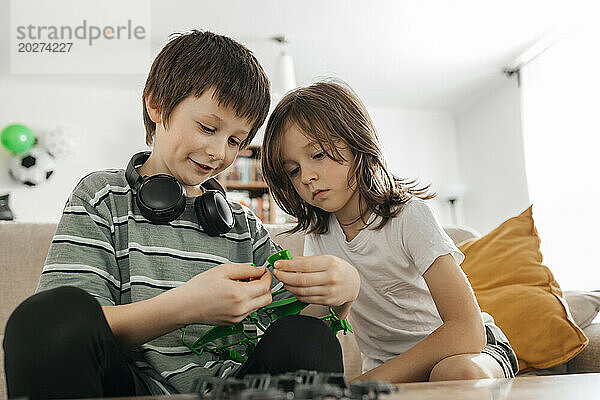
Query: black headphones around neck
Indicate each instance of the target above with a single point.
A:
(161, 199)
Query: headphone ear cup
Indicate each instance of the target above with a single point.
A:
(161, 199)
(214, 213)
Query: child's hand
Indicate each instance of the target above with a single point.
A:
(325, 280)
(220, 297)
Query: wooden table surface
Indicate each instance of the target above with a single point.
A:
(555, 387)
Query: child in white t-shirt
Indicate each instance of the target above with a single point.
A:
(416, 317)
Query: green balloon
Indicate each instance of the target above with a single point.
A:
(17, 138)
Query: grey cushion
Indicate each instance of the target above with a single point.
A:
(584, 306)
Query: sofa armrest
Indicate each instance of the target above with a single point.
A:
(23, 249)
(459, 234)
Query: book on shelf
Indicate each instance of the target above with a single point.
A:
(245, 184)
(261, 205)
(281, 217)
(246, 167)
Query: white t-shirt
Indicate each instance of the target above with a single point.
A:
(394, 309)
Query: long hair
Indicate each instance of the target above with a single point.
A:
(330, 113)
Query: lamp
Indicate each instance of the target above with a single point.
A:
(451, 192)
(284, 78)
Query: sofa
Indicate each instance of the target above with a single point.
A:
(23, 249)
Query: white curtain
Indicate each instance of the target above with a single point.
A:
(561, 130)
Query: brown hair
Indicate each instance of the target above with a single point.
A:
(330, 113)
(196, 61)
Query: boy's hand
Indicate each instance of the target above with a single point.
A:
(220, 297)
(325, 280)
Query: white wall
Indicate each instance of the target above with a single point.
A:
(106, 112)
(420, 144)
(490, 153)
(103, 111)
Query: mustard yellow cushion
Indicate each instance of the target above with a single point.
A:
(511, 284)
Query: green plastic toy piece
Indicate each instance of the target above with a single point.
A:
(280, 255)
(278, 308)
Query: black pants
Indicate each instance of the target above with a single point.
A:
(58, 344)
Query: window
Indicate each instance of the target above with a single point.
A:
(560, 92)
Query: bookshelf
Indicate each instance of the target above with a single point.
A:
(244, 183)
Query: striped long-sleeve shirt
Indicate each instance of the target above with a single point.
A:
(105, 246)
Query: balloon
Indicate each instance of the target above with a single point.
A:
(17, 138)
(61, 142)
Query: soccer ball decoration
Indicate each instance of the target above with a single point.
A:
(33, 167)
(61, 142)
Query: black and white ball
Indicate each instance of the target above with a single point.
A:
(32, 168)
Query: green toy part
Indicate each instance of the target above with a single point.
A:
(17, 138)
(278, 308)
(280, 255)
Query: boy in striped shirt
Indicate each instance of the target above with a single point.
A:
(116, 287)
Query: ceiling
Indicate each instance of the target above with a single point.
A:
(429, 54)
(432, 54)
